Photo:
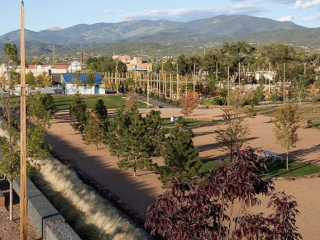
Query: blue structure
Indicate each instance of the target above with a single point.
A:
(69, 86)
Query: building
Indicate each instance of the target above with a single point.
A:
(75, 66)
(47, 69)
(136, 64)
(69, 87)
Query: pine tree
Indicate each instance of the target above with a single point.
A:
(155, 133)
(101, 111)
(134, 150)
(181, 157)
(116, 130)
(94, 131)
(78, 110)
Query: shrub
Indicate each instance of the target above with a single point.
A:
(177, 103)
(87, 212)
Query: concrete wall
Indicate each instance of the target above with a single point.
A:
(48, 221)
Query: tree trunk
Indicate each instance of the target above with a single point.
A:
(287, 160)
(11, 201)
(96, 147)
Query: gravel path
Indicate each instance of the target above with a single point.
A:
(10, 230)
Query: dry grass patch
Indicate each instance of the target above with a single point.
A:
(88, 213)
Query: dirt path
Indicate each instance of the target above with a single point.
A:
(10, 230)
(139, 192)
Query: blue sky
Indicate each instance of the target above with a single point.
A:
(42, 14)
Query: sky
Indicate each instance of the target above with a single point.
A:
(43, 14)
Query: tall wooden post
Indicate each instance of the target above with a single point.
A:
(228, 86)
(284, 84)
(171, 86)
(147, 89)
(305, 68)
(194, 77)
(178, 92)
(23, 137)
(239, 74)
(217, 71)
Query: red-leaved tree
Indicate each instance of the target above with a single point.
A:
(207, 211)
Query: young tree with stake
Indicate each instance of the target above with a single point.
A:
(286, 124)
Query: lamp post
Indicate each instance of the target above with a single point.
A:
(23, 137)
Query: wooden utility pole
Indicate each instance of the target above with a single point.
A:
(116, 78)
(194, 77)
(284, 84)
(228, 86)
(178, 92)
(239, 74)
(147, 89)
(217, 71)
(23, 137)
(53, 55)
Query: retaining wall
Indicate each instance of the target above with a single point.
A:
(48, 221)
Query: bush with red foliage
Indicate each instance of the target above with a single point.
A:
(207, 211)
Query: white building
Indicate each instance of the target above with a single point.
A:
(75, 66)
(69, 87)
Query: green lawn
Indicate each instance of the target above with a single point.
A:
(190, 123)
(111, 101)
(276, 169)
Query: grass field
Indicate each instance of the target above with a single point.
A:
(276, 169)
(306, 110)
(111, 101)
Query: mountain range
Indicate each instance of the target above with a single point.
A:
(166, 33)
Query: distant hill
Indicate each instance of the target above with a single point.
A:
(166, 33)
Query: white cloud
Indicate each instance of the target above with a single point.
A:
(108, 12)
(188, 14)
(311, 18)
(308, 4)
(286, 18)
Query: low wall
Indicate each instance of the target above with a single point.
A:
(48, 221)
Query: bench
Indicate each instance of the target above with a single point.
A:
(2, 202)
(2, 199)
(304, 123)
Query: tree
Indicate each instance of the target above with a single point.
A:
(44, 80)
(76, 80)
(286, 123)
(181, 157)
(40, 110)
(116, 130)
(235, 135)
(181, 123)
(155, 133)
(206, 211)
(314, 91)
(94, 131)
(134, 150)
(78, 110)
(189, 102)
(101, 112)
(10, 150)
(30, 80)
(90, 79)
(300, 85)
(11, 52)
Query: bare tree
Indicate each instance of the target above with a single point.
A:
(235, 135)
